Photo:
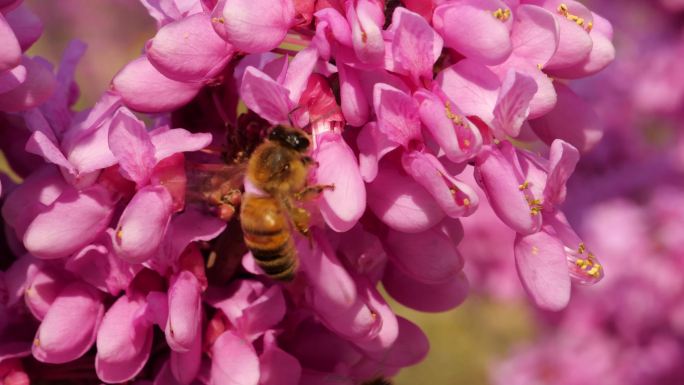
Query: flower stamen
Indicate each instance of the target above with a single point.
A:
(502, 14)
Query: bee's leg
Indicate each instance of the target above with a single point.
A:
(311, 192)
(299, 217)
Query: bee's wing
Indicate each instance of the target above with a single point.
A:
(208, 181)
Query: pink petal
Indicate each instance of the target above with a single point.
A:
(185, 312)
(235, 361)
(40, 144)
(572, 120)
(74, 220)
(456, 198)
(513, 104)
(123, 346)
(43, 286)
(397, 114)
(574, 43)
(389, 330)
(409, 348)
(416, 46)
(59, 339)
(473, 85)
(400, 202)
(185, 366)
(12, 78)
(189, 49)
(131, 145)
(264, 96)
(457, 137)
(562, 161)
(353, 100)
(298, 72)
(366, 31)
(277, 366)
(26, 26)
(534, 35)
(143, 224)
(469, 27)
(429, 257)
(501, 180)
(10, 53)
(540, 260)
(143, 88)
(18, 276)
(189, 226)
(39, 85)
(256, 25)
(373, 145)
(169, 142)
(342, 207)
(422, 296)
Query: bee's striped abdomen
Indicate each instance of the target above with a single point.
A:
(267, 236)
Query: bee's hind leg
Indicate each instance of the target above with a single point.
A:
(311, 192)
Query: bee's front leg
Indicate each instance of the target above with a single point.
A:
(311, 192)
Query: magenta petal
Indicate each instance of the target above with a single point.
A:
(409, 348)
(354, 103)
(534, 35)
(143, 88)
(10, 51)
(501, 180)
(12, 78)
(542, 267)
(169, 142)
(123, 346)
(456, 198)
(573, 120)
(373, 145)
(574, 43)
(265, 96)
(189, 49)
(513, 104)
(73, 221)
(469, 27)
(131, 145)
(401, 203)
(397, 114)
(19, 276)
(26, 25)
(185, 312)
(277, 366)
(562, 161)
(59, 339)
(256, 25)
(39, 85)
(456, 136)
(234, 361)
(298, 72)
(365, 19)
(415, 46)
(342, 207)
(44, 285)
(40, 144)
(422, 296)
(473, 85)
(143, 224)
(185, 366)
(429, 256)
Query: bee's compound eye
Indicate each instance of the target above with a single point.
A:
(302, 143)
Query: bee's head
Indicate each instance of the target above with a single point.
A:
(289, 137)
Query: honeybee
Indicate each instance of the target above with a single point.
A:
(279, 167)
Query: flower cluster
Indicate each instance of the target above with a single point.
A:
(626, 196)
(125, 229)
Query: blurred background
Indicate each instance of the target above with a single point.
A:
(626, 200)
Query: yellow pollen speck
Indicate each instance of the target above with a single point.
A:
(539, 66)
(536, 206)
(364, 37)
(565, 12)
(582, 248)
(449, 114)
(590, 26)
(466, 143)
(119, 233)
(36, 342)
(524, 186)
(219, 20)
(466, 202)
(535, 250)
(374, 315)
(502, 14)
